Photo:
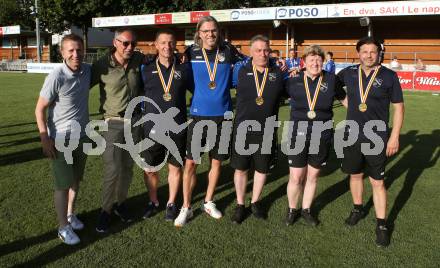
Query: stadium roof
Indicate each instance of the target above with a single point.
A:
(370, 9)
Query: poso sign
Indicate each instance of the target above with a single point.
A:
(253, 14)
(301, 12)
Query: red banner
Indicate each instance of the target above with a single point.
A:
(197, 15)
(419, 80)
(406, 79)
(427, 81)
(1, 31)
(163, 19)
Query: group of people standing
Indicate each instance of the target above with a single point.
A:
(208, 74)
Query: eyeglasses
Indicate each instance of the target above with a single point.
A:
(127, 43)
(208, 31)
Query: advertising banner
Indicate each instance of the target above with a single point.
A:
(427, 81)
(406, 79)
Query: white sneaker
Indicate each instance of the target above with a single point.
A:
(67, 235)
(75, 222)
(184, 216)
(211, 210)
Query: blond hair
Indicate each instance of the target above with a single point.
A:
(314, 50)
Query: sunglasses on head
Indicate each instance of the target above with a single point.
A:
(127, 43)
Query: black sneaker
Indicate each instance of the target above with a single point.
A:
(150, 210)
(309, 218)
(171, 212)
(239, 214)
(355, 216)
(382, 236)
(292, 216)
(103, 222)
(122, 212)
(257, 211)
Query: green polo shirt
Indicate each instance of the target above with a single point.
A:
(117, 85)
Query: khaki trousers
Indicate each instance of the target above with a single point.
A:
(118, 164)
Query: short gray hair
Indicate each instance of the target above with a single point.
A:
(119, 31)
(260, 37)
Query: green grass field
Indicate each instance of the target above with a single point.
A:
(28, 224)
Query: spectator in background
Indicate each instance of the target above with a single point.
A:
(280, 62)
(275, 54)
(239, 49)
(420, 66)
(329, 64)
(293, 61)
(395, 64)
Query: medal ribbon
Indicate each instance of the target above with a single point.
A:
(260, 89)
(370, 83)
(315, 95)
(166, 87)
(214, 71)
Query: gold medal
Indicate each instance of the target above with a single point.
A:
(259, 100)
(364, 95)
(166, 87)
(260, 88)
(212, 85)
(212, 72)
(166, 97)
(363, 107)
(311, 114)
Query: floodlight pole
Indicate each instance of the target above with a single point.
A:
(37, 30)
(287, 40)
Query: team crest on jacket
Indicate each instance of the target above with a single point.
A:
(377, 82)
(221, 56)
(324, 87)
(272, 76)
(177, 75)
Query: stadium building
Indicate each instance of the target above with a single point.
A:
(408, 29)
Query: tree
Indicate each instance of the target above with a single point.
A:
(59, 15)
(16, 13)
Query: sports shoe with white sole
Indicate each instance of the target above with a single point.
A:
(210, 208)
(184, 216)
(68, 236)
(75, 222)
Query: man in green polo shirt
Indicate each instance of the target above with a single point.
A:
(118, 75)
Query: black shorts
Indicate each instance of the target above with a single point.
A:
(216, 152)
(356, 162)
(262, 163)
(155, 155)
(306, 157)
